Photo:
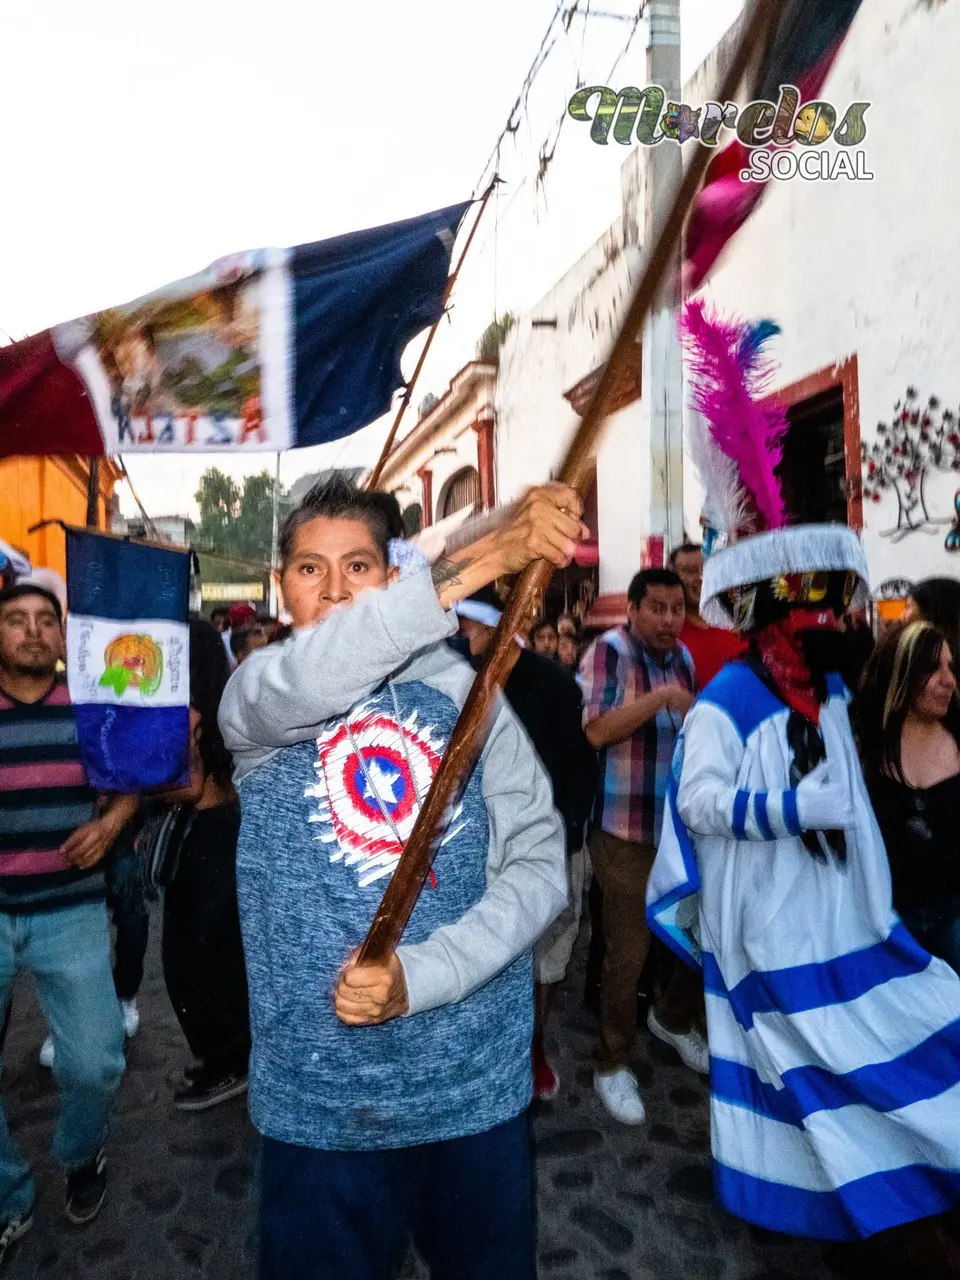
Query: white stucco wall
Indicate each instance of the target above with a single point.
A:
(534, 421)
(537, 364)
(873, 268)
(865, 268)
(623, 497)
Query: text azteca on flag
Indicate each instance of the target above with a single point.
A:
(128, 661)
(271, 349)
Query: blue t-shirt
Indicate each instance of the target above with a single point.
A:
(321, 828)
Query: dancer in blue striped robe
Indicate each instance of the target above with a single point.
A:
(834, 1037)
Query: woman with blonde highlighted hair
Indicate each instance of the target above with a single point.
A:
(908, 723)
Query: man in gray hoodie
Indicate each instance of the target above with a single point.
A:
(391, 1098)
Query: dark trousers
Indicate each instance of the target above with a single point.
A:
(130, 946)
(937, 929)
(202, 947)
(131, 915)
(597, 951)
(468, 1204)
(622, 869)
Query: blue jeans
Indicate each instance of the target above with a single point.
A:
(349, 1215)
(68, 953)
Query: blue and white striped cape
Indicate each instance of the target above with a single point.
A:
(834, 1037)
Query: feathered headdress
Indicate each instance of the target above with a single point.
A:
(735, 440)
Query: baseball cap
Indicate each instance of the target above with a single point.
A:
(48, 580)
(28, 588)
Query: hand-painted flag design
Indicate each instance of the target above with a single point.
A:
(128, 663)
(272, 349)
(801, 52)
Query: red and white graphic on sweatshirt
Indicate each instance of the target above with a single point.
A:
(364, 807)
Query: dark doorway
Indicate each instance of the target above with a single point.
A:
(413, 520)
(814, 469)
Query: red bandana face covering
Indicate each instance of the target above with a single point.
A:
(781, 652)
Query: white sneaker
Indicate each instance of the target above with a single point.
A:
(690, 1045)
(620, 1095)
(46, 1052)
(131, 1017)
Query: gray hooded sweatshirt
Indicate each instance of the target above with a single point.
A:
(336, 735)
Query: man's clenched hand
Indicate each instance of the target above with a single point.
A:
(89, 844)
(370, 994)
(546, 526)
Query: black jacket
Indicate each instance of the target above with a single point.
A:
(548, 703)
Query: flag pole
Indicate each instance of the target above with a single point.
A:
(470, 731)
(387, 449)
(272, 601)
(93, 493)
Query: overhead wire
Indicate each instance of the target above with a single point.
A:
(583, 44)
(641, 10)
(512, 124)
(547, 148)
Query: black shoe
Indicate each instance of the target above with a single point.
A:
(208, 1091)
(86, 1188)
(12, 1230)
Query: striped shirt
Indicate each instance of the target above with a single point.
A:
(616, 670)
(44, 797)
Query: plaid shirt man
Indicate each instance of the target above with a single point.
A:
(617, 670)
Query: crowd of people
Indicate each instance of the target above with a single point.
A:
(392, 1097)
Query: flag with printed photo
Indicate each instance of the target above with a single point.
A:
(128, 661)
(272, 349)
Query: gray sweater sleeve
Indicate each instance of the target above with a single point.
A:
(284, 693)
(526, 879)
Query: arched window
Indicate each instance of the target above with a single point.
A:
(413, 519)
(461, 490)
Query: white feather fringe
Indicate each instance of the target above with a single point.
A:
(725, 500)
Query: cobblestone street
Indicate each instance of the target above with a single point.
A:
(615, 1203)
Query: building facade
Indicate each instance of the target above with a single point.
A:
(37, 488)
(866, 300)
(177, 530)
(443, 470)
(863, 289)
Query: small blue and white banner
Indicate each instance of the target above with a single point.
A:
(128, 661)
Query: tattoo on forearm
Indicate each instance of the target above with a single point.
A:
(446, 572)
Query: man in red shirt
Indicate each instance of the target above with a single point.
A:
(710, 647)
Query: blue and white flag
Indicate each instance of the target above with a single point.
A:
(128, 667)
(271, 349)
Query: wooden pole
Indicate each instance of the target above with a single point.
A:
(469, 734)
(387, 449)
(273, 603)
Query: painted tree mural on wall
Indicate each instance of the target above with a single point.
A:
(918, 440)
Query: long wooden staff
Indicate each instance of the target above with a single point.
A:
(469, 733)
(387, 449)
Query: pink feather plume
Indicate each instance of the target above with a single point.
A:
(729, 373)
